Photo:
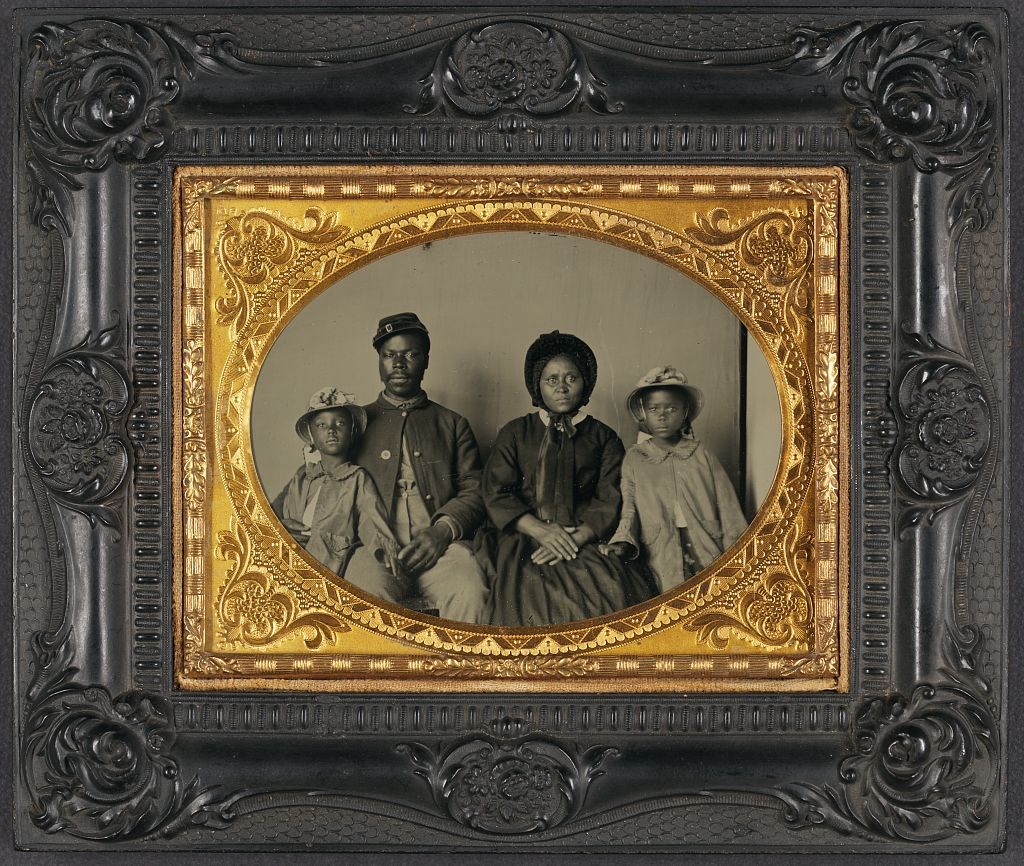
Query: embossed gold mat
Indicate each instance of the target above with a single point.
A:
(255, 244)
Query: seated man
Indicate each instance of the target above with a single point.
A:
(426, 465)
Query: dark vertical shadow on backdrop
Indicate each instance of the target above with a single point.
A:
(749, 506)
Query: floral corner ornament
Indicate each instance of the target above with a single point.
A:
(919, 92)
(99, 767)
(923, 768)
(100, 90)
(77, 436)
(509, 782)
(513, 69)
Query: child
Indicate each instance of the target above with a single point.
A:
(551, 487)
(678, 505)
(331, 506)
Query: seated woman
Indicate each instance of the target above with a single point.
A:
(551, 488)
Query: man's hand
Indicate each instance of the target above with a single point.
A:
(426, 548)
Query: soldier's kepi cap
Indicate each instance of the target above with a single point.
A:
(399, 323)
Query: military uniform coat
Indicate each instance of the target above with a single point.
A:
(444, 455)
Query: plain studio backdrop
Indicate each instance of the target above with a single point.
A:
(484, 299)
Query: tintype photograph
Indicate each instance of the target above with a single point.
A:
(504, 350)
(510, 429)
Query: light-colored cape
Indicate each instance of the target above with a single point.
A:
(342, 510)
(662, 489)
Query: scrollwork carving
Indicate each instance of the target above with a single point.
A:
(920, 92)
(254, 242)
(510, 667)
(75, 423)
(492, 187)
(99, 767)
(775, 611)
(923, 768)
(509, 781)
(97, 91)
(100, 93)
(197, 657)
(518, 69)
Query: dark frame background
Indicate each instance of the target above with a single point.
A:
(918, 658)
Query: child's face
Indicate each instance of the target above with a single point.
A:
(665, 412)
(331, 432)
(561, 385)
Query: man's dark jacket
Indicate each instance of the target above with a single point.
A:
(443, 452)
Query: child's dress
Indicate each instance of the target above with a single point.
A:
(679, 509)
(579, 485)
(344, 512)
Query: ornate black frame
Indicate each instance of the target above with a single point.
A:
(111, 757)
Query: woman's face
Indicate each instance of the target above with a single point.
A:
(561, 385)
(331, 431)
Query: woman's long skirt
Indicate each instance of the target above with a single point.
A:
(525, 594)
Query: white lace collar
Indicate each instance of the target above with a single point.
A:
(580, 415)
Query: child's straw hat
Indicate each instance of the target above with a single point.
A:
(330, 397)
(663, 377)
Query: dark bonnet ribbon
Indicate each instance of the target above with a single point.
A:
(555, 469)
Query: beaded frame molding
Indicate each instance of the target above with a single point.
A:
(113, 754)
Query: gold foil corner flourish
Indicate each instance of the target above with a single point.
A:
(255, 610)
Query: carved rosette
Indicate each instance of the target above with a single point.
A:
(99, 767)
(514, 68)
(945, 431)
(944, 406)
(919, 92)
(923, 768)
(510, 781)
(76, 434)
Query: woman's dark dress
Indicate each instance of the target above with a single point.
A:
(525, 594)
